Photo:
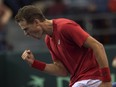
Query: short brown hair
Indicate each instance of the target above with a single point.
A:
(29, 13)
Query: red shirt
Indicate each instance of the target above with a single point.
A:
(66, 45)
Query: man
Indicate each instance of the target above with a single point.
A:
(73, 50)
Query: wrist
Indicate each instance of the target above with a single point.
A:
(38, 65)
(105, 73)
(31, 61)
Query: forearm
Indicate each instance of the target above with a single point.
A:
(56, 68)
(101, 56)
(103, 62)
(53, 68)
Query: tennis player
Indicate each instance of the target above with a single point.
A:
(73, 50)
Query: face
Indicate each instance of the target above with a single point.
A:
(33, 30)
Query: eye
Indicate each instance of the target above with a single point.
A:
(25, 29)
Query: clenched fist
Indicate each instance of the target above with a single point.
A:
(28, 56)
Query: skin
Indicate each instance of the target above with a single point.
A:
(37, 29)
(5, 14)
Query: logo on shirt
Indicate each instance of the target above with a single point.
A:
(59, 42)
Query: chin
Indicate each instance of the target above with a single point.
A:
(38, 38)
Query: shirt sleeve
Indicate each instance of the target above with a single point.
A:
(75, 33)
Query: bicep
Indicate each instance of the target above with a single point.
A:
(91, 42)
(56, 68)
(59, 64)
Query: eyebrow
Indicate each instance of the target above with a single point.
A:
(25, 29)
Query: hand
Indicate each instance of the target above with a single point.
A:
(106, 84)
(28, 56)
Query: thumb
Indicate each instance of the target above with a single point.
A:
(29, 51)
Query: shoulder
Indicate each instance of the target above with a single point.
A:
(60, 21)
(63, 23)
(69, 27)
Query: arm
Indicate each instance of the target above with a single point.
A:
(99, 51)
(56, 68)
(101, 58)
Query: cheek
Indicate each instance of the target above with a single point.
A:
(39, 30)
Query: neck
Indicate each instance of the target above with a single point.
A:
(49, 27)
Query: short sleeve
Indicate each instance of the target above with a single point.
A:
(75, 33)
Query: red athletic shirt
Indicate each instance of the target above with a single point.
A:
(66, 45)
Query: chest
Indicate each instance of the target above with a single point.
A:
(63, 47)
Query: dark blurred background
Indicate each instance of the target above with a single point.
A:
(97, 17)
